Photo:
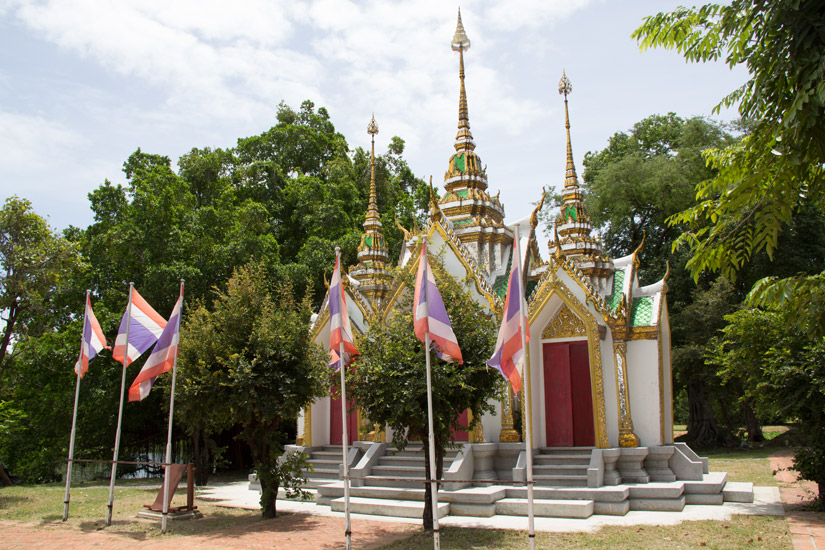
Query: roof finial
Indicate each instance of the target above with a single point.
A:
(372, 209)
(459, 44)
(565, 88)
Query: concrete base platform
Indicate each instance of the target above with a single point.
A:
(580, 509)
(172, 516)
(387, 507)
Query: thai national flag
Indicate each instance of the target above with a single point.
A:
(162, 358)
(509, 353)
(339, 327)
(429, 314)
(93, 340)
(144, 330)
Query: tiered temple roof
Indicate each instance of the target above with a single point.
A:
(574, 231)
(371, 271)
(477, 218)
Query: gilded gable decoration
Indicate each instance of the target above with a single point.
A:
(564, 324)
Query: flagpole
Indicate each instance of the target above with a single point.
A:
(66, 496)
(527, 424)
(120, 410)
(344, 431)
(168, 459)
(433, 477)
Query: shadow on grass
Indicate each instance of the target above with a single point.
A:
(7, 501)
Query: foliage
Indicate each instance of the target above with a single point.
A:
(645, 176)
(778, 169)
(248, 361)
(642, 178)
(388, 380)
(783, 373)
(34, 263)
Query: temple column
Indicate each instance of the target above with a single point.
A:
(626, 436)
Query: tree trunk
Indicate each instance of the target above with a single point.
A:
(4, 479)
(703, 430)
(269, 495)
(752, 424)
(200, 447)
(4, 344)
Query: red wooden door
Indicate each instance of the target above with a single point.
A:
(335, 427)
(462, 435)
(567, 399)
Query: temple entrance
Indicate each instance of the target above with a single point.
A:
(568, 402)
(335, 427)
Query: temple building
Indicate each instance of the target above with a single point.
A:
(599, 354)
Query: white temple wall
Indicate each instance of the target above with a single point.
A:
(492, 424)
(320, 422)
(643, 383)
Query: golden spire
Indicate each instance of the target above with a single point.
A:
(464, 138)
(570, 180)
(372, 210)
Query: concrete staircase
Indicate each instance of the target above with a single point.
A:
(407, 467)
(326, 463)
(561, 466)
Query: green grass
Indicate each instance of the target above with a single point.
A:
(752, 532)
(43, 504)
(743, 465)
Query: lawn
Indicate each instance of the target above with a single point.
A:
(752, 532)
(44, 504)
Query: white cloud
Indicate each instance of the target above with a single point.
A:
(28, 142)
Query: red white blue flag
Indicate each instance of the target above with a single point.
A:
(429, 313)
(92, 342)
(509, 355)
(162, 358)
(145, 328)
(339, 327)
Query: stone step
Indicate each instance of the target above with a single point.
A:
(581, 509)
(322, 473)
(402, 482)
(583, 460)
(738, 491)
(398, 471)
(387, 507)
(560, 480)
(336, 490)
(330, 455)
(322, 462)
(578, 469)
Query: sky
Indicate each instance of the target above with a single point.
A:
(84, 83)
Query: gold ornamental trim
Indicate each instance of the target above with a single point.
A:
(626, 436)
(565, 324)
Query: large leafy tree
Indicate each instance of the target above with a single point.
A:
(249, 361)
(633, 186)
(388, 380)
(34, 264)
(778, 169)
(782, 371)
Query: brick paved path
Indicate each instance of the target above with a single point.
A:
(290, 531)
(807, 528)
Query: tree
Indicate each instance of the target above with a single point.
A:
(249, 361)
(632, 187)
(779, 168)
(783, 373)
(388, 380)
(34, 262)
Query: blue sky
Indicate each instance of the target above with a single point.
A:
(83, 84)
